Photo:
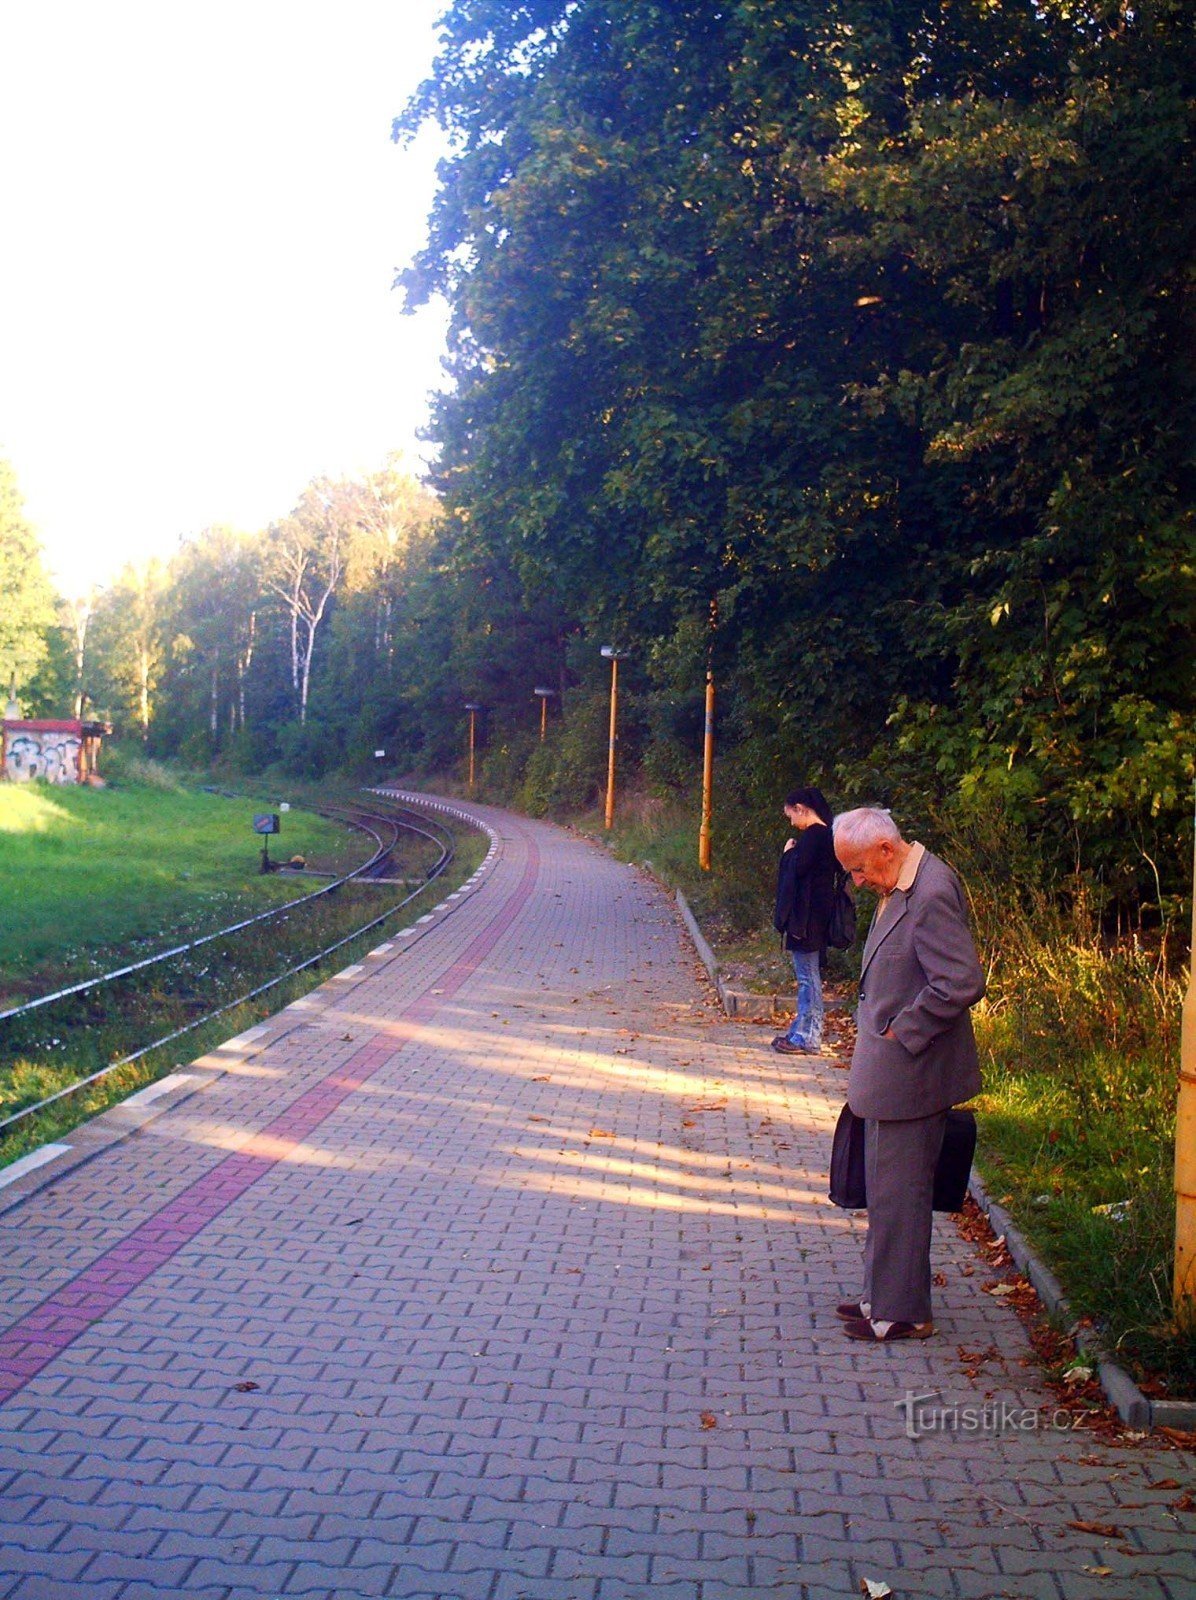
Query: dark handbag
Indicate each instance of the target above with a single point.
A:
(955, 1162)
(848, 1186)
(847, 1162)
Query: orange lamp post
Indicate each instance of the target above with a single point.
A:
(707, 777)
(1184, 1291)
(544, 696)
(614, 656)
(473, 708)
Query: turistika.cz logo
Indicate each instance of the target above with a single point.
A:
(927, 1413)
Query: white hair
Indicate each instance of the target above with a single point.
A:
(864, 827)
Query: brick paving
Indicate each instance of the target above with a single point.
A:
(502, 1267)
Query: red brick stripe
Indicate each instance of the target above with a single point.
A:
(46, 1331)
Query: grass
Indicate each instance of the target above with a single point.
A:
(1080, 1048)
(84, 872)
(62, 1043)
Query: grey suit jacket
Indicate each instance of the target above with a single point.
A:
(920, 975)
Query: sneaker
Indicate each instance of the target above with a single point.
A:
(887, 1332)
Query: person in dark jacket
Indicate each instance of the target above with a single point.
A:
(805, 893)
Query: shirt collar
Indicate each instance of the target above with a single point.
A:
(909, 869)
(905, 878)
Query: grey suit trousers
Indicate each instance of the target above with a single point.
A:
(900, 1158)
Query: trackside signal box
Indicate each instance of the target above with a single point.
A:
(266, 822)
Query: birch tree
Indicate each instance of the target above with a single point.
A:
(306, 559)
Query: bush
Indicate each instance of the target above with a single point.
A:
(126, 766)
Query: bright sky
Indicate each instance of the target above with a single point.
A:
(203, 214)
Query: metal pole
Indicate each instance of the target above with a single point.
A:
(472, 714)
(610, 766)
(543, 716)
(707, 778)
(1185, 1147)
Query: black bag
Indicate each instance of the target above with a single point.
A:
(847, 1162)
(848, 1186)
(840, 925)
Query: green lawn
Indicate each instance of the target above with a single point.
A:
(88, 872)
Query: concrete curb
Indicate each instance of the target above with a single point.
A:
(1134, 1408)
(735, 1002)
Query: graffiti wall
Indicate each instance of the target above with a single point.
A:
(54, 752)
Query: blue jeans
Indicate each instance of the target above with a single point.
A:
(806, 1027)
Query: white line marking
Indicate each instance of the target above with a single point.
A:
(29, 1163)
(155, 1091)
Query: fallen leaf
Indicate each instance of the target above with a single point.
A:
(1182, 1436)
(874, 1589)
(247, 1387)
(1099, 1572)
(600, 1133)
(1186, 1502)
(1103, 1530)
(709, 1420)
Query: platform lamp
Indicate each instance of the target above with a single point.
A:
(543, 696)
(1185, 1150)
(708, 748)
(614, 656)
(707, 776)
(473, 708)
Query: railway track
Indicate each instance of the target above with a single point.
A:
(180, 982)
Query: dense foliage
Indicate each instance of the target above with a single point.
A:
(869, 325)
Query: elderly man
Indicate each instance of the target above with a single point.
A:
(914, 1058)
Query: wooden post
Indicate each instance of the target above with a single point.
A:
(1184, 1292)
(707, 777)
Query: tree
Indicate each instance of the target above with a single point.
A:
(305, 564)
(868, 322)
(27, 614)
(128, 646)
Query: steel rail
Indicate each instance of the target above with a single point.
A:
(447, 855)
(207, 938)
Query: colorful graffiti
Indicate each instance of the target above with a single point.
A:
(51, 752)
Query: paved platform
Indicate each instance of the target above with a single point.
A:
(501, 1269)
